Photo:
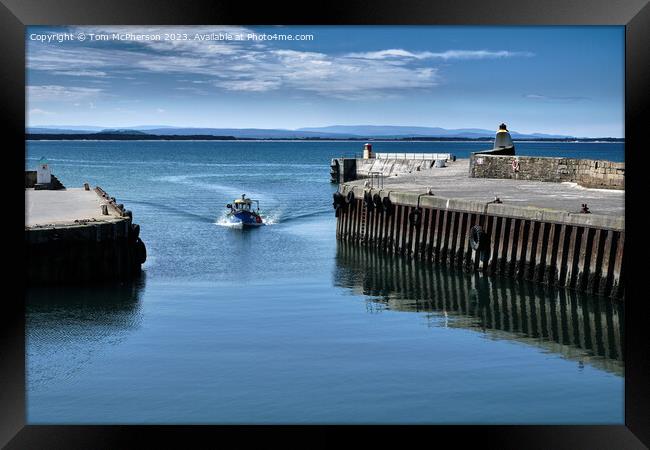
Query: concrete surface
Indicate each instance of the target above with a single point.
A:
(63, 207)
(453, 182)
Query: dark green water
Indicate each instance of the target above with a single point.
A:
(282, 325)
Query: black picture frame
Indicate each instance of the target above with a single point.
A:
(633, 14)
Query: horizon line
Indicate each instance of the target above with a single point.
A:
(126, 127)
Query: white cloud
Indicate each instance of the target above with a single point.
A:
(252, 66)
(446, 55)
(81, 73)
(253, 70)
(555, 97)
(338, 77)
(40, 111)
(57, 58)
(60, 93)
(387, 54)
(173, 64)
(250, 85)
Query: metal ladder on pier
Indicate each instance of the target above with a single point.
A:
(376, 181)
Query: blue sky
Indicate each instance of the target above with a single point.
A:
(564, 80)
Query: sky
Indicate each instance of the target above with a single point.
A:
(555, 80)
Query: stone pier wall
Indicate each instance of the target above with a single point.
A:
(586, 172)
(391, 167)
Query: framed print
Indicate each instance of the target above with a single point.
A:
(262, 220)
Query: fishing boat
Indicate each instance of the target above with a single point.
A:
(241, 211)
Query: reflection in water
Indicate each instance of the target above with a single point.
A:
(66, 326)
(580, 327)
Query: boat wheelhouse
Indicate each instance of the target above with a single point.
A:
(242, 211)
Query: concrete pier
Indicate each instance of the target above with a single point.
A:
(79, 235)
(534, 230)
(63, 207)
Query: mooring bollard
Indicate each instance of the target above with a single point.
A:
(105, 210)
(86, 187)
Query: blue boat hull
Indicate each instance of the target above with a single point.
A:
(245, 218)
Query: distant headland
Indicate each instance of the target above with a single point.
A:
(330, 133)
(207, 137)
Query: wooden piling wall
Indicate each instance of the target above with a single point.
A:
(553, 248)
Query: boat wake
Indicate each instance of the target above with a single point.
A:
(272, 218)
(181, 212)
(223, 221)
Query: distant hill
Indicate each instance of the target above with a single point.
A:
(44, 130)
(122, 135)
(406, 131)
(328, 132)
(251, 133)
(129, 132)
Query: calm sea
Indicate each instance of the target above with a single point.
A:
(281, 325)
